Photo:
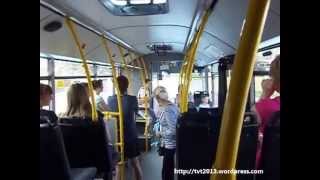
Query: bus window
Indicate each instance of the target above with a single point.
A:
(43, 67)
(61, 89)
(62, 86)
(64, 68)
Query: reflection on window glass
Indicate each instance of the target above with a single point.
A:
(43, 67)
(63, 68)
(62, 87)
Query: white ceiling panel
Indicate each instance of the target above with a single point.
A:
(223, 28)
(272, 26)
(44, 13)
(61, 43)
(152, 34)
(180, 13)
(226, 25)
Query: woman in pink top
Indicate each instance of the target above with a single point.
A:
(266, 106)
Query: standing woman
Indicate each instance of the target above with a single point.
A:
(168, 123)
(266, 106)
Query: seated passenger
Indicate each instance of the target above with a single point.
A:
(130, 109)
(45, 98)
(98, 88)
(168, 121)
(80, 106)
(204, 102)
(266, 106)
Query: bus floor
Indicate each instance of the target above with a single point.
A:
(151, 164)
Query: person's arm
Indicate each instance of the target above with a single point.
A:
(103, 106)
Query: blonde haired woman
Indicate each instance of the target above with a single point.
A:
(79, 106)
(168, 120)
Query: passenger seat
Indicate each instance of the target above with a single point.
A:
(54, 163)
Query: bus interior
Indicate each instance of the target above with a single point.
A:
(152, 40)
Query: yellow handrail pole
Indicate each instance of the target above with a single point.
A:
(131, 57)
(126, 68)
(73, 32)
(115, 82)
(188, 76)
(241, 76)
(144, 67)
(143, 79)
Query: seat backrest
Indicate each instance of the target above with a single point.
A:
(270, 153)
(197, 139)
(197, 135)
(53, 160)
(86, 143)
(247, 146)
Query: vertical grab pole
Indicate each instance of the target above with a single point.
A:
(234, 107)
(126, 68)
(144, 70)
(115, 82)
(85, 66)
(144, 67)
(143, 79)
(190, 62)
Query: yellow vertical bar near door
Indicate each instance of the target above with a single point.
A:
(241, 76)
(143, 79)
(187, 77)
(85, 66)
(120, 108)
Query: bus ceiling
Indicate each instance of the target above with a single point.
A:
(160, 34)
